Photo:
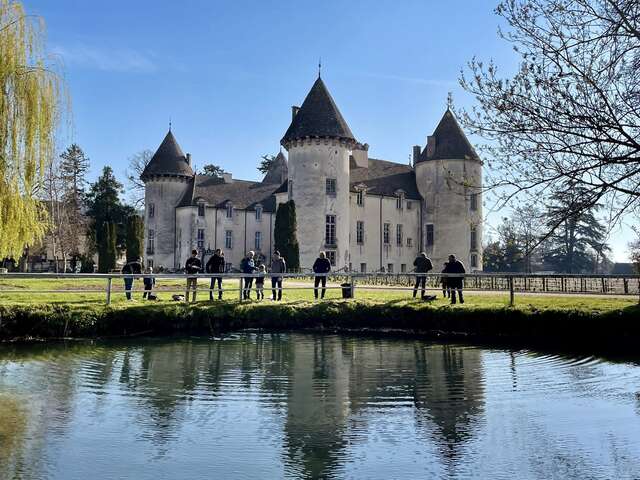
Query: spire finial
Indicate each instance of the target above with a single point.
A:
(449, 101)
(169, 123)
(319, 66)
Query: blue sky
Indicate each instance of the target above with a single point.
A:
(227, 73)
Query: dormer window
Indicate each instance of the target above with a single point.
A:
(258, 213)
(399, 199)
(201, 209)
(229, 210)
(360, 198)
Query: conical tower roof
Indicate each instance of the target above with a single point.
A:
(278, 171)
(450, 141)
(318, 117)
(168, 160)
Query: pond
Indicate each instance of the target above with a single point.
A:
(262, 406)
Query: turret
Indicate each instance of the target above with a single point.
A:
(319, 143)
(449, 178)
(166, 177)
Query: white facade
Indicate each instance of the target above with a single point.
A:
(368, 215)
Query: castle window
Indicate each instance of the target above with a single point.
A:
(331, 186)
(399, 235)
(201, 209)
(360, 232)
(151, 241)
(409, 242)
(228, 239)
(258, 213)
(403, 268)
(151, 209)
(150, 263)
(430, 235)
(290, 189)
(389, 267)
(229, 210)
(330, 230)
(409, 205)
(200, 238)
(331, 256)
(385, 233)
(474, 238)
(363, 268)
(399, 201)
(473, 200)
(360, 198)
(474, 261)
(258, 241)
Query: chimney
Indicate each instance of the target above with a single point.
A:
(431, 146)
(188, 159)
(294, 112)
(416, 154)
(227, 178)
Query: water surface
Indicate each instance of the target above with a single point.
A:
(310, 406)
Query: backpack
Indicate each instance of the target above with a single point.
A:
(244, 263)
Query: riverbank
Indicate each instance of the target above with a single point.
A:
(578, 322)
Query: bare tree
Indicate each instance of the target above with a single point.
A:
(137, 164)
(571, 113)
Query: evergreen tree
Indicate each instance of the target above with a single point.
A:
(107, 247)
(135, 237)
(104, 206)
(73, 169)
(577, 234)
(284, 234)
(212, 170)
(493, 257)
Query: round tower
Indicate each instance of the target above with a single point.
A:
(449, 179)
(167, 177)
(319, 144)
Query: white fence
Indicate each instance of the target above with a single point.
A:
(496, 282)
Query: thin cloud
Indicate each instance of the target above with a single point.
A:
(417, 80)
(106, 59)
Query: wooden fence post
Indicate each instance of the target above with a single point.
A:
(109, 280)
(511, 292)
(241, 296)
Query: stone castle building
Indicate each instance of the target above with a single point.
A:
(367, 214)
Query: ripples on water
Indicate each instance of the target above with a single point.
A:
(308, 406)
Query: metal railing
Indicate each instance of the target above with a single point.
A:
(492, 282)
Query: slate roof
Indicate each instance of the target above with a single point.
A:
(318, 117)
(168, 160)
(278, 170)
(386, 178)
(451, 142)
(242, 194)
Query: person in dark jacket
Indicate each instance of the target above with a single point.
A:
(423, 265)
(445, 287)
(247, 265)
(215, 265)
(278, 265)
(322, 266)
(455, 266)
(193, 266)
(132, 268)
(149, 282)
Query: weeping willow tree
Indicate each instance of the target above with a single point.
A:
(29, 113)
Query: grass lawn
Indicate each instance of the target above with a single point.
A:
(93, 294)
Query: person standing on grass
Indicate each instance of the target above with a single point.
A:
(247, 265)
(423, 265)
(193, 266)
(278, 265)
(260, 282)
(149, 282)
(216, 265)
(445, 288)
(132, 268)
(455, 266)
(321, 267)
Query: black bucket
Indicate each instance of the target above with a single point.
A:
(347, 290)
